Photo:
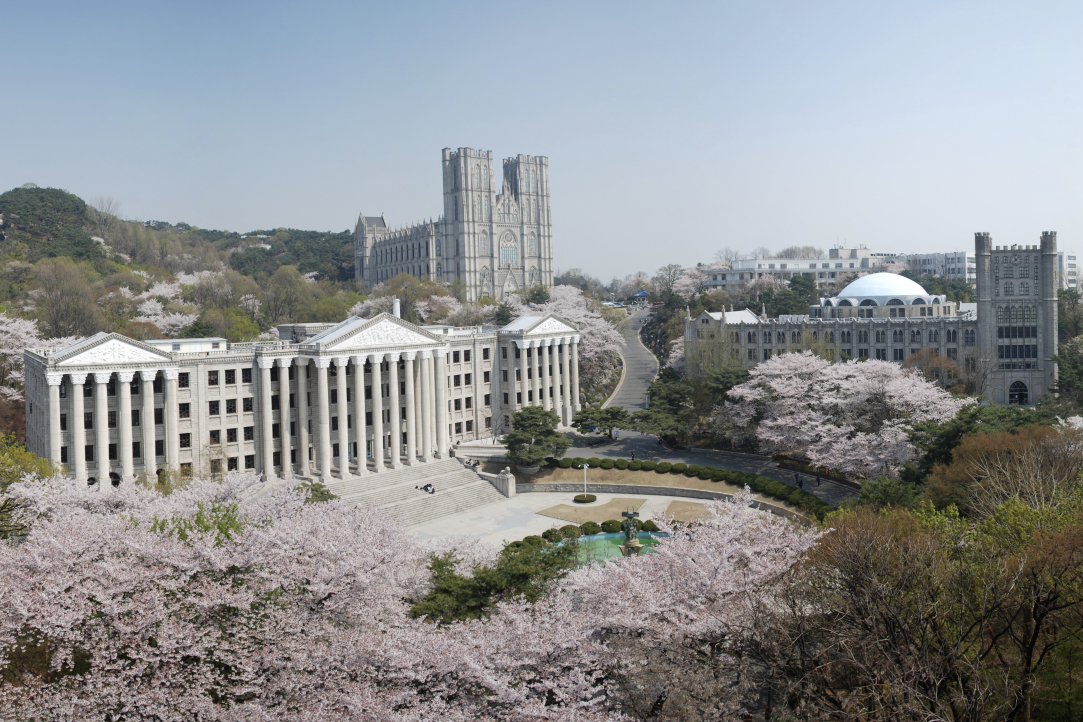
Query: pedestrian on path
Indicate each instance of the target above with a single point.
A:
(796, 479)
(633, 454)
(800, 483)
(817, 480)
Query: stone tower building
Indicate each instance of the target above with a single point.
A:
(496, 240)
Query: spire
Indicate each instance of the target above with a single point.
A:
(763, 312)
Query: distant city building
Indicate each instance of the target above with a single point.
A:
(1067, 272)
(841, 264)
(1007, 340)
(497, 241)
(957, 265)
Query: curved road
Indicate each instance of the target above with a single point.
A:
(641, 368)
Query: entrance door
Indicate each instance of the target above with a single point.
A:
(1017, 394)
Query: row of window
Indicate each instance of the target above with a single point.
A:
(951, 335)
(88, 419)
(881, 354)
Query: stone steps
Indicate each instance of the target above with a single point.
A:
(457, 489)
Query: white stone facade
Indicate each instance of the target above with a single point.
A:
(380, 389)
(497, 241)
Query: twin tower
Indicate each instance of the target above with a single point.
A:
(495, 239)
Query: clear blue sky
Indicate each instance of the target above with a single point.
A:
(672, 129)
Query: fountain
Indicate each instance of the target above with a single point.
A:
(631, 546)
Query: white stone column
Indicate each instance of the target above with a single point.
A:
(324, 419)
(535, 372)
(124, 424)
(441, 380)
(78, 432)
(395, 447)
(426, 405)
(554, 357)
(543, 348)
(285, 363)
(565, 396)
(54, 380)
(574, 363)
(411, 412)
(150, 460)
(524, 375)
(343, 409)
(172, 420)
(267, 445)
(101, 426)
(377, 414)
(419, 446)
(301, 364)
(359, 427)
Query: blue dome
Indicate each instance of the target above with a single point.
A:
(882, 284)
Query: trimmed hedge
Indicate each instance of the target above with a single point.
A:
(621, 464)
(607, 464)
(663, 468)
(565, 463)
(678, 468)
(594, 462)
(647, 465)
(611, 526)
(692, 470)
(585, 498)
(570, 531)
(649, 525)
(552, 535)
(635, 465)
(590, 528)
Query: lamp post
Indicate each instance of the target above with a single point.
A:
(584, 467)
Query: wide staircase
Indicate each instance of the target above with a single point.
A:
(457, 489)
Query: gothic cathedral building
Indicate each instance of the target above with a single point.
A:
(496, 241)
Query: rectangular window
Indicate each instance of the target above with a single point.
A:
(485, 377)
(231, 436)
(157, 385)
(458, 380)
(334, 423)
(212, 378)
(88, 420)
(291, 398)
(63, 422)
(293, 428)
(231, 406)
(63, 455)
(485, 354)
(88, 390)
(231, 463)
(368, 418)
(334, 450)
(275, 431)
(505, 375)
(112, 452)
(519, 397)
(112, 419)
(455, 357)
(275, 402)
(250, 461)
(134, 386)
(231, 376)
(182, 380)
(137, 452)
(159, 417)
(159, 447)
(505, 399)
(186, 468)
(458, 427)
(249, 433)
(466, 357)
(216, 466)
(467, 379)
(88, 453)
(135, 417)
(458, 405)
(214, 408)
(488, 400)
(274, 373)
(246, 405)
(368, 393)
(111, 387)
(469, 402)
(216, 437)
(246, 376)
(503, 351)
(334, 397)
(488, 422)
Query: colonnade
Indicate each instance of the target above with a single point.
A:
(414, 423)
(549, 375)
(76, 431)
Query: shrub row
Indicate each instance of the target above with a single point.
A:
(759, 484)
(571, 531)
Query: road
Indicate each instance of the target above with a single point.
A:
(641, 367)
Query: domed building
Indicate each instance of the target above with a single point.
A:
(1003, 345)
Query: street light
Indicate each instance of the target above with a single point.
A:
(584, 467)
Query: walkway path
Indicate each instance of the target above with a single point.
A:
(640, 366)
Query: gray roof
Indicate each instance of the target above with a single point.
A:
(375, 221)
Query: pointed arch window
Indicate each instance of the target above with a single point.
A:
(483, 244)
(534, 279)
(439, 269)
(533, 181)
(439, 249)
(477, 176)
(532, 245)
(485, 274)
(509, 252)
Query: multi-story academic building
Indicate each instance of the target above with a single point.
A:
(1008, 338)
(327, 400)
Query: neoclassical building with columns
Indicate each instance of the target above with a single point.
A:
(326, 401)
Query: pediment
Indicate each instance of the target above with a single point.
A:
(552, 326)
(384, 332)
(112, 349)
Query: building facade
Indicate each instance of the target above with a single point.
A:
(328, 401)
(953, 266)
(1007, 340)
(1067, 271)
(841, 264)
(497, 240)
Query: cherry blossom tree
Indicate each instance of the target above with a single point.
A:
(675, 356)
(690, 283)
(226, 600)
(17, 335)
(853, 416)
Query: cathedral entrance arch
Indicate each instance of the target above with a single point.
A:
(1017, 394)
(510, 285)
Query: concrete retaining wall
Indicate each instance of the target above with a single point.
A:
(625, 489)
(504, 482)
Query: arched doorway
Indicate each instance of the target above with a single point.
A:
(91, 481)
(1017, 394)
(114, 478)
